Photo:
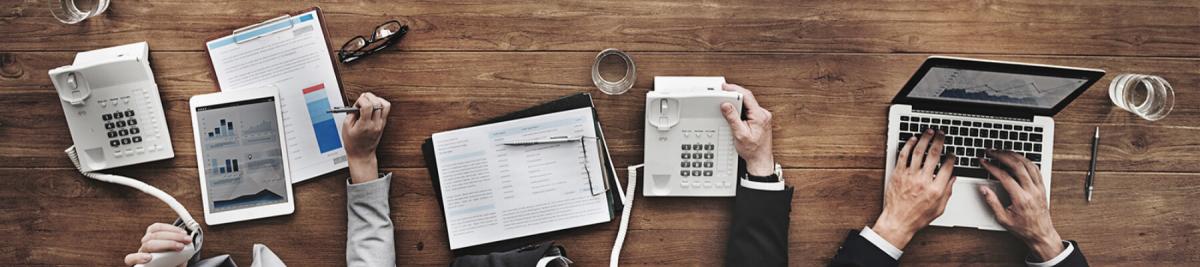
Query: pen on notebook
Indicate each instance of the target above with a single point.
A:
(350, 109)
(1091, 175)
(548, 140)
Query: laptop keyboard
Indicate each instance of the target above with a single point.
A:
(969, 139)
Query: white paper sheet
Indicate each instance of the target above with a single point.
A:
(494, 192)
(290, 55)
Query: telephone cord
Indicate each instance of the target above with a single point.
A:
(626, 212)
(189, 222)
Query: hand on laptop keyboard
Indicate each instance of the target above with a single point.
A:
(918, 190)
(1029, 215)
(970, 138)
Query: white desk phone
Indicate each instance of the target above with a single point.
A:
(116, 118)
(113, 108)
(689, 147)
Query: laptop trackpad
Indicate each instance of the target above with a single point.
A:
(968, 208)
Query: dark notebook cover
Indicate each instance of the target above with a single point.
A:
(581, 100)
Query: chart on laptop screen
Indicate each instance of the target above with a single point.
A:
(994, 87)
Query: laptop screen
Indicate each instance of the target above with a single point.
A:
(996, 88)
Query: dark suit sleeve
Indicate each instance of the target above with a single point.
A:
(1075, 259)
(759, 233)
(857, 251)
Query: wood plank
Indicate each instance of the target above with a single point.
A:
(1161, 28)
(1137, 218)
(830, 108)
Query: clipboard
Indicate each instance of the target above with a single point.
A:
(251, 36)
(616, 194)
(266, 53)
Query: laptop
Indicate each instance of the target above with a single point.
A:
(982, 104)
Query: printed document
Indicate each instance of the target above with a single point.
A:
(292, 56)
(493, 192)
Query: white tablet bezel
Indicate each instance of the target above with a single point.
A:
(272, 210)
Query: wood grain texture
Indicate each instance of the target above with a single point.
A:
(827, 70)
(1109, 27)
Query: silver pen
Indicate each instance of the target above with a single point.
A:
(350, 109)
(548, 140)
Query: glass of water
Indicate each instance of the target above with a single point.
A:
(1148, 96)
(74, 11)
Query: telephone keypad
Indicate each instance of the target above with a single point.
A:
(697, 160)
(122, 129)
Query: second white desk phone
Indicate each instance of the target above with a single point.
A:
(689, 146)
(113, 108)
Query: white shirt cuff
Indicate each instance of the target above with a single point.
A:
(1057, 259)
(881, 243)
(772, 186)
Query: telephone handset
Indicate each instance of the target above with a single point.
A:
(689, 147)
(113, 108)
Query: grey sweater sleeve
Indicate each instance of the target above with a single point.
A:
(369, 236)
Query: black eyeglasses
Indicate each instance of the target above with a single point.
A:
(385, 35)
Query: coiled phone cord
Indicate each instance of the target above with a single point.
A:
(188, 221)
(630, 193)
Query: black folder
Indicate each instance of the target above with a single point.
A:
(576, 101)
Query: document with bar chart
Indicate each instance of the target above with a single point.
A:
(291, 56)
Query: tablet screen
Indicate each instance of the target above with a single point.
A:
(242, 159)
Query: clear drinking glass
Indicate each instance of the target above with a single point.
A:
(74, 11)
(613, 72)
(1150, 97)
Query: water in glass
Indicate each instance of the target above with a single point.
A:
(1148, 96)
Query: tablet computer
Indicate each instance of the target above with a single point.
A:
(240, 155)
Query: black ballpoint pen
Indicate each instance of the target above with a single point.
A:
(1091, 175)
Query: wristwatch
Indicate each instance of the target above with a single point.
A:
(774, 177)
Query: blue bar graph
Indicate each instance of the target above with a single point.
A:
(229, 166)
(217, 132)
(324, 126)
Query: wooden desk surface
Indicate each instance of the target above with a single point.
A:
(827, 70)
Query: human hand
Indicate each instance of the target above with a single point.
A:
(1029, 215)
(361, 132)
(751, 137)
(160, 237)
(916, 194)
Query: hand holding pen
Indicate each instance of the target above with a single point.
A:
(361, 131)
(352, 109)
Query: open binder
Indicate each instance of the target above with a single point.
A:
(582, 100)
